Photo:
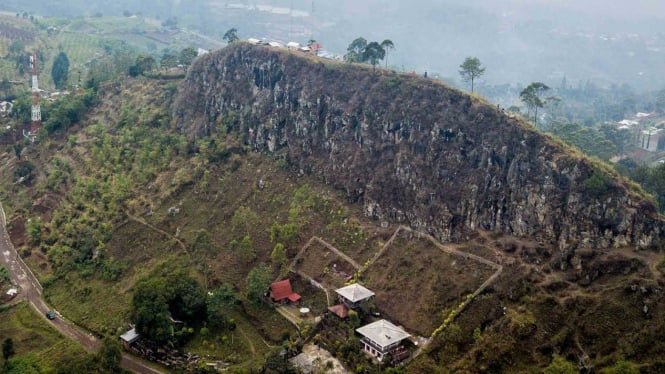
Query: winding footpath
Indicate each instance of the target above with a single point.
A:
(31, 292)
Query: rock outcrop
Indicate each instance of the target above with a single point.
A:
(413, 150)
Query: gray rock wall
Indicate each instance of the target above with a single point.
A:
(411, 150)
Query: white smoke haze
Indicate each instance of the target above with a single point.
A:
(519, 41)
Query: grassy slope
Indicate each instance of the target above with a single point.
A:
(139, 242)
(32, 335)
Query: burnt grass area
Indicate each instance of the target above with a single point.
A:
(324, 266)
(415, 281)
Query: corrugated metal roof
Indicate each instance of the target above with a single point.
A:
(282, 290)
(130, 336)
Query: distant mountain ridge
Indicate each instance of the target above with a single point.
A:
(414, 151)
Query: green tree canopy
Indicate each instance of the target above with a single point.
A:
(16, 48)
(219, 303)
(150, 310)
(560, 365)
(590, 140)
(169, 59)
(110, 354)
(257, 283)
(188, 55)
(60, 70)
(373, 53)
(231, 35)
(355, 50)
(143, 64)
(387, 45)
(531, 96)
(471, 69)
(158, 298)
(8, 348)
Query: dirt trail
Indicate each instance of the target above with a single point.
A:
(146, 224)
(251, 344)
(31, 291)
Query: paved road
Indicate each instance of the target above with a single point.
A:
(31, 291)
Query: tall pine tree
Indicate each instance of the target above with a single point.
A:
(60, 70)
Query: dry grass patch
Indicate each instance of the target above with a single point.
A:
(414, 280)
(324, 265)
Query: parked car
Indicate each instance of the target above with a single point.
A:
(50, 314)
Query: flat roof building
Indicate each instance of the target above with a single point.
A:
(381, 338)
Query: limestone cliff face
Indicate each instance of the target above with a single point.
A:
(412, 150)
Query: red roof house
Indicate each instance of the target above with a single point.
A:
(280, 291)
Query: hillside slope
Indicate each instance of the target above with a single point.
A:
(412, 150)
(123, 196)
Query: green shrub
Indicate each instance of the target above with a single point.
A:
(560, 365)
(597, 185)
(621, 367)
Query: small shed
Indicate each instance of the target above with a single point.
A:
(381, 338)
(129, 337)
(282, 292)
(340, 310)
(353, 295)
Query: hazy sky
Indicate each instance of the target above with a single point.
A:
(610, 8)
(519, 41)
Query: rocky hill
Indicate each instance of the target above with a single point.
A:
(305, 155)
(414, 151)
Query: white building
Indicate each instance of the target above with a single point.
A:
(382, 337)
(353, 295)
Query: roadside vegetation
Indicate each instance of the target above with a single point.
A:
(31, 345)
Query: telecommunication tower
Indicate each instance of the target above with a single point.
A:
(36, 116)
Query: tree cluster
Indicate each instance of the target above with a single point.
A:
(652, 179)
(160, 300)
(172, 59)
(173, 295)
(143, 64)
(604, 142)
(361, 51)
